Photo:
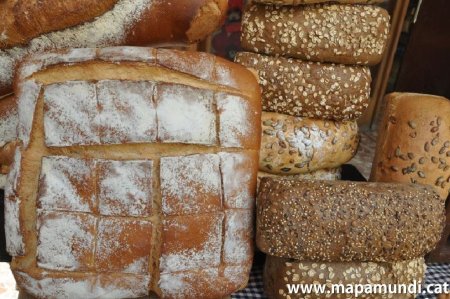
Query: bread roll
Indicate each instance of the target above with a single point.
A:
(278, 272)
(137, 174)
(348, 34)
(8, 128)
(310, 89)
(340, 221)
(295, 145)
(302, 2)
(34, 26)
(414, 141)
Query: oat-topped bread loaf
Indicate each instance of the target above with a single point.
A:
(310, 89)
(32, 26)
(414, 141)
(137, 174)
(8, 132)
(294, 145)
(348, 34)
(279, 272)
(337, 221)
(301, 2)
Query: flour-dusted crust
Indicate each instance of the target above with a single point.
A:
(348, 34)
(279, 272)
(31, 27)
(148, 205)
(297, 145)
(9, 120)
(310, 89)
(340, 221)
(414, 142)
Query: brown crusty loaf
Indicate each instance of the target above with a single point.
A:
(279, 272)
(294, 145)
(310, 89)
(34, 26)
(414, 141)
(339, 221)
(332, 174)
(8, 131)
(136, 174)
(348, 34)
(302, 2)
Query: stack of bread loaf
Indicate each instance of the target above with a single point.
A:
(313, 62)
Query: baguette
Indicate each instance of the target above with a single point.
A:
(347, 34)
(340, 221)
(136, 174)
(34, 26)
(414, 142)
(310, 89)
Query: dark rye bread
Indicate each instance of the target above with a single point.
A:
(302, 2)
(295, 145)
(348, 34)
(310, 89)
(278, 272)
(339, 221)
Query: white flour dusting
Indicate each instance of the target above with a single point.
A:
(238, 226)
(8, 126)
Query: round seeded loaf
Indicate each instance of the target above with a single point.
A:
(279, 272)
(295, 145)
(338, 221)
(414, 141)
(302, 2)
(348, 34)
(310, 89)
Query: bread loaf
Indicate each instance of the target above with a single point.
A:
(339, 221)
(295, 145)
(279, 272)
(332, 174)
(33, 26)
(137, 174)
(301, 2)
(414, 141)
(8, 128)
(348, 34)
(310, 89)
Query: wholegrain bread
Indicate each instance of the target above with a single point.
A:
(302, 2)
(279, 272)
(414, 141)
(340, 221)
(347, 34)
(295, 145)
(136, 174)
(35, 26)
(310, 89)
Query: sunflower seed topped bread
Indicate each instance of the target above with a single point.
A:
(414, 141)
(310, 89)
(302, 2)
(347, 34)
(340, 221)
(35, 26)
(136, 174)
(279, 272)
(295, 145)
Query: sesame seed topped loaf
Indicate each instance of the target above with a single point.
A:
(347, 34)
(302, 2)
(36, 26)
(414, 141)
(136, 174)
(310, 89)
(340, 221)
(279, 272)
(295, 145)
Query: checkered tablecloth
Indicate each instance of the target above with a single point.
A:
(436, 274)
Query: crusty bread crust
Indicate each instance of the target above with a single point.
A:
(342, 221)
(181, 248)
(8, 127)
(302, 2)
(414, 141)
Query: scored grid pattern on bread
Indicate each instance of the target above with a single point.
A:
(279, 272)
(310, 89)
(154, 152)
(339, 221)
(348, 34)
